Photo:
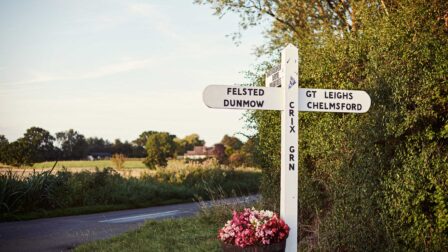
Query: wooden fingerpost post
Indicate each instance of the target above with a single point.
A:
(289, 143)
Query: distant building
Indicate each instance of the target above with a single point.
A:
(99, 156)
(203, 152)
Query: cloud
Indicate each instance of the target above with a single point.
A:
(102, 71)
(116, 68)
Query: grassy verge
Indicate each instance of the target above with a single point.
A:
(186, 234)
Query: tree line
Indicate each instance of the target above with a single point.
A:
(38, 145)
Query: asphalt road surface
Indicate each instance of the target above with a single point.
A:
(65, 233)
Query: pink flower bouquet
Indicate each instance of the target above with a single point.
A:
(253, 227)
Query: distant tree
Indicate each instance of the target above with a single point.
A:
(96, 145)
(187, 143)
(159, 147)
(40, 144)
(249, 151)
(35, 146)
(220, 153)
(137, 151)
(17, 154)
(231, 144)
(143, 138)
(237, 158)
(73, 144)
(3, 148)
(122, 147)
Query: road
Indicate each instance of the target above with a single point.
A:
(65, 233)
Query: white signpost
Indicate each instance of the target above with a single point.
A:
(273, 77)
(282, 93)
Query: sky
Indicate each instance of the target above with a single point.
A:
(114, 69)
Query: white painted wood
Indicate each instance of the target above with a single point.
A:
(239, 97)
(289, 181)
(333, 100)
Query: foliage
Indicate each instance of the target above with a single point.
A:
(160, 146)
(231, 144)
(381, 175)
(143, 138)
(3, 148)
(187, 143)
(73, 144)
(35, 146)
(118, 160)
(62, 190)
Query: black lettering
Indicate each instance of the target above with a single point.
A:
(292, 129)
(291, 105)
(292, 149)
(260, 104)
(291, 167)
(291, 157)
(309, 105)
(291, 112)
(226, 103)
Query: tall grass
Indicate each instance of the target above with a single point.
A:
(63, 189)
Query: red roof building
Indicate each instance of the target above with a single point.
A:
(203, 152)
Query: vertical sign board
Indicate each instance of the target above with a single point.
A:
(289, 143)
(282, 93)
(273, 77)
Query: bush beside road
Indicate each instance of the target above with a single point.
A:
(60, 193)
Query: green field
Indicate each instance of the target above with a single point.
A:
(130, 164)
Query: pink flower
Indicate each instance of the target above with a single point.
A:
(251, 227)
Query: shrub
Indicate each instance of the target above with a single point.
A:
(118, 160)
(63, 189)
